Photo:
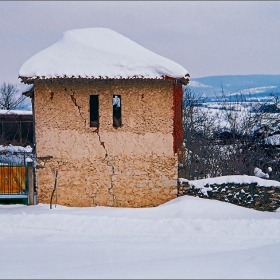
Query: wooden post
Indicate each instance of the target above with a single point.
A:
(54, 189)
(30, 183)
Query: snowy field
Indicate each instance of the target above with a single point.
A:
(187, 237)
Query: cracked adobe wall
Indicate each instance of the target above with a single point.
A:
(130, 166)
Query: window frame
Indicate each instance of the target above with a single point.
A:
(117, 110)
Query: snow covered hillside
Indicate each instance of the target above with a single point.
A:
(253, 87)
(187, 237)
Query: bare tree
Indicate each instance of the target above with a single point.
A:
(8, 97)
(199, 126)
(226, 143)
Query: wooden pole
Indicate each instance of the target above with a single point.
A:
(54, 189)
(30, 183)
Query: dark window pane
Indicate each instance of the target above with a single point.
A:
(94, 110)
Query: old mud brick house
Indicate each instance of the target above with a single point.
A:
(108, 118)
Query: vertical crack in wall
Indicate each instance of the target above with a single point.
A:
(74, 100)
(75, 103)
(110, 190)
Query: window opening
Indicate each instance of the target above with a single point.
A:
(94, 110)
(117, 112)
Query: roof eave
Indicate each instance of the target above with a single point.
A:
(31, 80)
(29, 93)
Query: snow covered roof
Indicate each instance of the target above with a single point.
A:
(99, 53)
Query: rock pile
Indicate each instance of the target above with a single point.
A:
(246, 195)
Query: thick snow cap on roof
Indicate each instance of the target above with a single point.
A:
(98, 53)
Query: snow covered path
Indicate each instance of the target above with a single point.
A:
(186, 238)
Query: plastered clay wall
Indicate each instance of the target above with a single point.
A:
(130, 166)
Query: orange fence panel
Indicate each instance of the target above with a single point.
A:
(12, 179)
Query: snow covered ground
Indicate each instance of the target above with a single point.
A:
(187, 237)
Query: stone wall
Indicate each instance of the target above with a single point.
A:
(130, 166)
(251, 195)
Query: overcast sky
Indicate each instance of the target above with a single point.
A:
(207, 38)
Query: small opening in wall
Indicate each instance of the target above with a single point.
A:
(94, 110)
(117, 111)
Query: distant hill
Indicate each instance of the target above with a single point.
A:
(253, 87)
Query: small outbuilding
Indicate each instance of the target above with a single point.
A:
(108, 117)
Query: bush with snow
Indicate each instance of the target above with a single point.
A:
(16, 154)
